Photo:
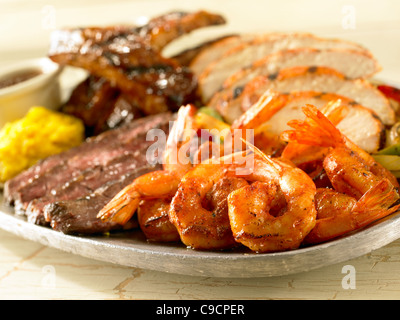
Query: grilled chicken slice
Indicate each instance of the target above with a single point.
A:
(247, 52)
(360, 124)
(189, 56)
(215, 51)
(232, 103)
(353, 64)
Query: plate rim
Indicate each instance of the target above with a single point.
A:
(176, 259)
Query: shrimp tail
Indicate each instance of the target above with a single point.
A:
(266, 106)
(263, 156)
(180, 129)
(299, 153)
(378, 202)
(316, 130)
(122, 207)
(335, 111)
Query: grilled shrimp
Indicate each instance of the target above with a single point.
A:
(274, 214)
(310, 158)
(199, 209)
(154, 220)
(156, 184)
(338, 213)
(255, 117)
(363, 191)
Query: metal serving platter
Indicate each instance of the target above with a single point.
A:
(131, 249)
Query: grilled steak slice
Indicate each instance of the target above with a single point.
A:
(133, 141)
(80, 216)
(12, 186)
(88, 181)
(85, 156)
(247, 52)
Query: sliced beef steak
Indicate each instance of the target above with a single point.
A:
(87, 182)
(80, 216)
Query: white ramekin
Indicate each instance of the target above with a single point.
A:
(41, 90)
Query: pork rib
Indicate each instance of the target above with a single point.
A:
(162, 30)
(130, 58)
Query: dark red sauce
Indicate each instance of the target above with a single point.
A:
(15, 78)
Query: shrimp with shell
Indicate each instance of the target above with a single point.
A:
(362, 190)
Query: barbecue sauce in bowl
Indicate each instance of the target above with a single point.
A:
(18, 77)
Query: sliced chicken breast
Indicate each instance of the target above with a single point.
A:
(247, 52)
(360, 125)
(232, 103)
(188, 56)
(216, 50)
(212, 53)
(351, 63)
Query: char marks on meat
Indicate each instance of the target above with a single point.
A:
(162, 30)
(79, 216)
(88, 181)
(154, 83)
(127, 66)
(85, 170)
(100, 106)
